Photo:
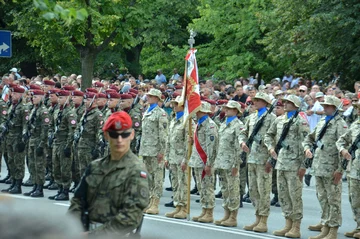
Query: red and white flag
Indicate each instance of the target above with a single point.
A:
(191, 92)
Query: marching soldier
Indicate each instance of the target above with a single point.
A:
(113, 102)
(327, 167)
(3, 152)
(291, 128)
(102, 103)
(259, 175)
(220, 118)
(351, 137)
(62, 133)
(152, 149)
(227, 163)
(205, 143)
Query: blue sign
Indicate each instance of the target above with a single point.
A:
(5, 44)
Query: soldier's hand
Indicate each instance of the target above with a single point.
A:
(268, 167)
(308, 154)
(208, 170)
(160, 157)
(345, 153)
(245, 148)
(166, 164)
(235, 172)
(301, 173)
(337, 177)
(273, 153)
(183, 167)
(190, 140)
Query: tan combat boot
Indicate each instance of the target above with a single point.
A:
(316, 227)
(352, 233)
(154, 208)
(262, 226)
(251, 227)
(324, 231)
(357, 235)
(287, 228)
(148, 206)
(208, 217)
(332, 233)
(182, 214)
(232, 220)
(172, 214)
(226, 216)
(195, 219)
(295, 230)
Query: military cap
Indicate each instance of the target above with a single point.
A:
(331, 100)
(279, 103)
(154, 92)
(279, 92)
(101, 95)
(293, 99)
(126, 96)
(263, 96)
(243, 106)
(345, 101)
(205, 107)
(232, 104)
(222, 102)
(37, 92)
(178, 87)
(98, 84)
(132, 94)
(69, 88)
(118, 121)
(53, 91)
(90, 95)
(49, 82)
(178, 100)
(34, 87)
(18, 89)
(262, 88)
(77, 93)
(113, 95)
(110, 90)
(211, 102)
(319, 94)
(134, 91)
(91, 90)
(63, 93)
(303, 87)
(12, 85)
(175, 94)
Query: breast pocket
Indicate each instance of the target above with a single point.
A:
(117, 189)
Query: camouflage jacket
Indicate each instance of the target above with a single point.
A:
(344, 142)
(19, 122)
(4, 111)
(117, 193)
(79, 111)
(291, 156)
(228, 153)
(326, 159)
(220, 119)
(65, 132)
(39, 116)
(88, 132)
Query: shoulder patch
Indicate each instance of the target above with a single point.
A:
(212, 137)
(73, 122)
(46, 120)
(45, 112)
(345, 126)
(143, 174)
(4, 112)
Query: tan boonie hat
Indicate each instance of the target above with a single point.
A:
(263, 96)
(155, 92)
(279, 92)
(332, 100)
(232, 104)
(293, 99)
(205, 107)
(177, 99)
(319, 94)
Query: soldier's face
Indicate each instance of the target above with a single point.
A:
(62, 100)
(259, 104)
(288, 106)
(77, 99)
(279, 110)
(53, 98)
(120, 145)
(125, 104)
(152, 99)
(229, 112)
(329, 109)
(88, 102)
(36, 99)
(178, 108)
(101, 101)
(15, 96)
(113, 102)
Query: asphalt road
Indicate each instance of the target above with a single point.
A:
(160, 227)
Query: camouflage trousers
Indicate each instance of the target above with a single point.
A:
(3, 152)
(259, 188)
(329, 196)
(30, 162)
(38, 162)
(179, 184)
(354, 193)
(83, 159)
(290, 194)
(243, 180)
(205, 187)
(61, 166)
(156, 171)
(48, 152)
(230, 187)
(16, 160)
(274, 186)
(75, 171)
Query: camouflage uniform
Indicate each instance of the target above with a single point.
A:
(48, 149)
(76, 174)
(3, 116)
(136, 117)
(30, 164)
(117, 192)
(325, 163)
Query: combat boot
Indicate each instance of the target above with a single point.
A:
(316, 227)
(287, 228)
(32, 190)
(6, 178)
(182, 214)
(172, 214)
(232, 220)
(251, 227)
(195, 219)
(357, 235)
(307, 179)
(194, 190)
(226, 216)
(38, 193)
(332, 233)
(58, 193)
(241, 201)
(262, 226)
(148, 206)
(351, 234)
(63, 196)
(324, 231)
(154, 208)
(295, 230)
(208, 217)
(9, 181)
(218, 195)
(53, 186)
(274, 200)
(28, 183)
(17, 187)
(169, 204)
(9, 188)
(48, 176)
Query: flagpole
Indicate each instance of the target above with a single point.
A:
(191, 42)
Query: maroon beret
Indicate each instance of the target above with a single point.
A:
(91, 90)
(34, 87)
(134, 91)
(113, 87)
(221, 102)
(53, 91)
(18, 89)
(118, 121)
(63, 93)
(98, 84)
(113, 95)
(38, 92)
(69, 88)
(49, 82)
(178, 87)
(90, 95)
(101, 95)
(126, 96)
(211, 102)
(77, 93)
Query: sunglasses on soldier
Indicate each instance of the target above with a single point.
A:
(115, 135)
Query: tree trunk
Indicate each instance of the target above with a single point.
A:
(88, 57)
(133, 59)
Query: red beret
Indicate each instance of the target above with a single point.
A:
(248, 99)
(118, 121)
(18, 89)
(91, 90)
(178, 87)
(109, 91)
(101, 95)
(38, 92)
(242, 105)
(279, 103)
(12, 85)
(211, 102)
(113, 95)
(49, 82)
(98, 84)
(53, 91)
(345, 101)
(34, 87)
(133, 95)
(134, 91)
(77, 93)
(113, 87)
(126, 96)
(69, 88)
(63, 93)
(221, 102)
(90, 95)
(175, 94)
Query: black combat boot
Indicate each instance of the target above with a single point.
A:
(307, 179)
(58, 193)
(6, 178)
(9, 188)
(169, 189)
(9, 181)
(169, 204)
(38, 193)
(32, 190)
(28, 183)
(241, 200)
(53, 186)
(17, 187)
(219, 194)
(63, 196)
(274, 200)
(194, 190)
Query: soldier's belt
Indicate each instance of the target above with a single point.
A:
(94, 225)
(85, 135)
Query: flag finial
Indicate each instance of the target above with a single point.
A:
(191, 40)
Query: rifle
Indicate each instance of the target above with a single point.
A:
(136, 100)
(216, 114)
(8, 122)
(57, 124)
(246, 112)
(254, 137)
(317, 143)
(81, 193)
(30, 125)
(138, 143)
(117, 105)
(354, 146)
(280, 144)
